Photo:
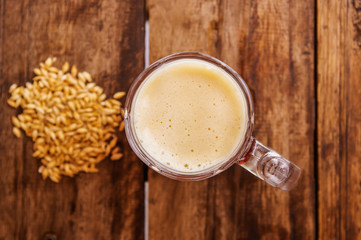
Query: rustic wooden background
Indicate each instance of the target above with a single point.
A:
(301, 60)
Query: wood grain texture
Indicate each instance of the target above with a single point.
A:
(105, 38)
(271, 44)
(339, 128)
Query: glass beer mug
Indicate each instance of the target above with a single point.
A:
(143, 133)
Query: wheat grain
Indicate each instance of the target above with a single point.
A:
(17, 132)
(119, 95)
(116, 156)
(68, 118)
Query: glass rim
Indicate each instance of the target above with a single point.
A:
(153, 163)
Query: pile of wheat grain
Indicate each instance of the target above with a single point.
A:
(69, 118)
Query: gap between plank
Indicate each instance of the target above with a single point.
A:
(146, 207)
(146, 184)
(315, 137)
(146, 41)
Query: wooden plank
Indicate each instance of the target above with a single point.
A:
(105, 38)
(271, 44)
(339, 128)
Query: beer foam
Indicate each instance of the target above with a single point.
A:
(189, 115)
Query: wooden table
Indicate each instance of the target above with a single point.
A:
(301, 60)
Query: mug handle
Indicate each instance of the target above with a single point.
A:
(271, 167)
